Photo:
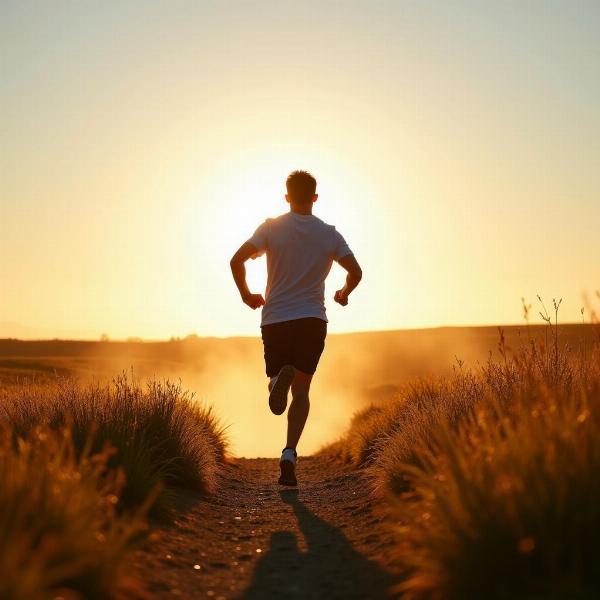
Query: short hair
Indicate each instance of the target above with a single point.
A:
(301, 186)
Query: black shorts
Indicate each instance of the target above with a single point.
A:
(298, 343)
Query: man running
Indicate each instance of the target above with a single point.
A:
(300, 250)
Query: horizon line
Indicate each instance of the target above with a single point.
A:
(190, 336)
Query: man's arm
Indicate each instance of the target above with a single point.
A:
(353, 278)
(238, 270)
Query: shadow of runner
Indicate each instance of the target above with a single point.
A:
(331, 568)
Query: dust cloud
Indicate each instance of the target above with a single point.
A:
(228, 374)
(355, 370)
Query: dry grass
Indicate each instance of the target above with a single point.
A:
(59, 529)
(492, 475)
(508, 506)
(80, 467)
(385, 438)
(161, 436)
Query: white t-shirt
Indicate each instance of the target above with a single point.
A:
(300, 251)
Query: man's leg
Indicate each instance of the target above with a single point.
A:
(298, 411)
(279, 386)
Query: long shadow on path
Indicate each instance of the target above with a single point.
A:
(330, 568)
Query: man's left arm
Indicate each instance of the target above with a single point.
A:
(246, 251)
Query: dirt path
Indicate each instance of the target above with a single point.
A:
(255, 540)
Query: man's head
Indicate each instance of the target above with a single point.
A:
(301, 187)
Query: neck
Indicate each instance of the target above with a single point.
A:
(302, 209)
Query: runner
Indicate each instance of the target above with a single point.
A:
(300, 250)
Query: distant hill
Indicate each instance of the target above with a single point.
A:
(389, 356)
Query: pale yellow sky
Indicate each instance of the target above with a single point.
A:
(455, 146)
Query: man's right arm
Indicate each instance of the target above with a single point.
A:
(353, 278)
(238, 270)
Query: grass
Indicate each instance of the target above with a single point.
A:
(491, 475)
(59, 528)
(508, 506)
(161, 436)
(81, 467)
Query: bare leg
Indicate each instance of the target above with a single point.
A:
(298, 411)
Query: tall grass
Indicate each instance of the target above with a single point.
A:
(59, 531)
(81, 467)
(508, 506)
(492, 475)
(161, 436)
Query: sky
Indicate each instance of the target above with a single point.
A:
(456, 147)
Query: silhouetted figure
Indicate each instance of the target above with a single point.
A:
(300, 250)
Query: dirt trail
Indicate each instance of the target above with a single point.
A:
(256, 540)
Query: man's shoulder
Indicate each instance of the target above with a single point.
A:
(277, 220)
(327, 226)
(287, 220)
(319, 223)
(269, 221)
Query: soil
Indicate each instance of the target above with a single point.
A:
(257, 540)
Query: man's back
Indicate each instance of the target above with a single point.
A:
(300, 250)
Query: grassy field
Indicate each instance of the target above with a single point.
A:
(491, 474)
(486, 454)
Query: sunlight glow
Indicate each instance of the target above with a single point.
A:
(135, 165)
(245, 190)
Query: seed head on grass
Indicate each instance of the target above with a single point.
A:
(493, 475)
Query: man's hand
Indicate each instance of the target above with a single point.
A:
(353, 278)
(253, 300)
(341, 297)
(238, 270)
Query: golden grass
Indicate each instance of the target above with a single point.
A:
(492, 475)
(81, 466)
(59, 530)
(161, 436)
(508, 506)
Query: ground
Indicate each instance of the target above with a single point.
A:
(254, 539)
